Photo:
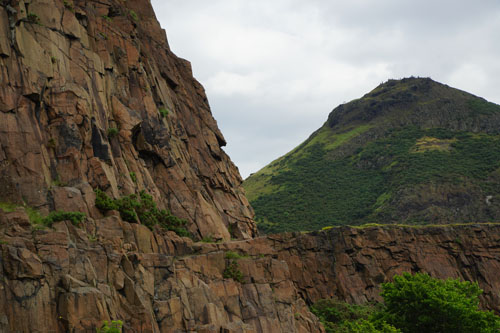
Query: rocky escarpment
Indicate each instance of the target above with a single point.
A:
(69, 279)
(92, 97)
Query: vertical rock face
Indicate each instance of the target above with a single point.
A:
(92, 97)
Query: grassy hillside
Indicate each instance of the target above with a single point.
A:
(411, 151)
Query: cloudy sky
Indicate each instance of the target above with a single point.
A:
(274, 69)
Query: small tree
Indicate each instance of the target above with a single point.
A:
(418, 303)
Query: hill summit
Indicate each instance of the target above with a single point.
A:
(411, 151)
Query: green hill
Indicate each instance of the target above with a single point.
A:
(411, 151)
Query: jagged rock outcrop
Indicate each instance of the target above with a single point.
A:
(70, 279)
(91, 96)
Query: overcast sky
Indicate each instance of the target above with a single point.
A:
(274, 69)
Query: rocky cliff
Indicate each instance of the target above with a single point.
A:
(92, 97)
(69, 279)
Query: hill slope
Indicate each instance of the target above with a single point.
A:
(411, 151)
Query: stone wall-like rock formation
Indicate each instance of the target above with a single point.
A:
(92, 97)
(74, 72)
(70, 279)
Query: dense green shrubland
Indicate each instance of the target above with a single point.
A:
(413, 304)
(315, 190)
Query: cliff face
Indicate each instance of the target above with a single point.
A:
(92, 97)
(69, 279)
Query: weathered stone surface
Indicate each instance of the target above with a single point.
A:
(110, 269)
(70, 71)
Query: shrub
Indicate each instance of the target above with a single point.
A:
(142, 208)
(75, 217)
(33, 18)
(103, 202)
(114, 327)
(68, 6)
(420, 303)
(163, 112)
(234, 255)
(232, 271)
(338, 316)
(134, 15)
(112, 132)
(133, 176)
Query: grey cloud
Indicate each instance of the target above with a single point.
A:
(273, 70)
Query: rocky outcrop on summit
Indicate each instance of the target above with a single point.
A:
(411, 151)
(92, 97)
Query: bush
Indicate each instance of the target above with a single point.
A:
(75, 217)
(163, 112)
(419, 303)
(133, 176)
(142, 208)
(134, 16)
(413, 303)
(114, 327)
(338, 316)
(33, 18)
(103, 202)
(112, 132)
(232, 271)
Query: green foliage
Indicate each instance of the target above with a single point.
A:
(56, 216)
(482, 107)
(52, 143)
(233, 271)
(339, 316)
(107, 18)
(413, 304)
(103, 202)
(133, 176)
(134, 16)
(114, 327)
(142, 208)
(33, 18)
(8, 207)
(234, 255)
(112, 132)
(419, 303)
(103, 35)
(317, 190)
(163, 112)
(68, 6)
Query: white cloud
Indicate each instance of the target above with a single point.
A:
(273, 70)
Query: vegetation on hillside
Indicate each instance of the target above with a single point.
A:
(413, 303)
(142, 208)
(373, 171)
